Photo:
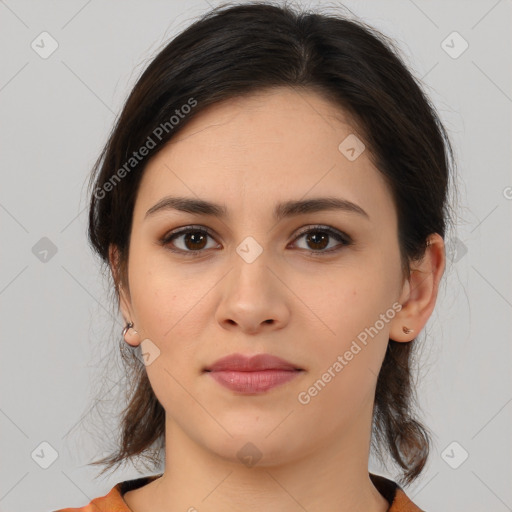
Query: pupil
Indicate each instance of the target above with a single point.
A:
(315, 239)
(195, 238)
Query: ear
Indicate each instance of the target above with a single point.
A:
(123, 291)
(419, 291)
(131, 336)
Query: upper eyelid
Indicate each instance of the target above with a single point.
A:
(185, 229)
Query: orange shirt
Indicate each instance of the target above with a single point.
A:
(113, 501)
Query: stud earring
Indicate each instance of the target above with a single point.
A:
(406, 330)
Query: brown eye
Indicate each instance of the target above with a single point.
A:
(188, 240)
(318, 240)
(195, 240)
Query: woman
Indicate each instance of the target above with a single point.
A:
(272, 205)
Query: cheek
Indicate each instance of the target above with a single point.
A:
(358, 312)
(347, 365)
(161, 295)
(167, 308)
(167, 315)
(349, 301)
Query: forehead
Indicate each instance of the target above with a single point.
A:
(265, 147)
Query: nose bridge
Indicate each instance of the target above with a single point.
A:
(252, 295)
(250, 262)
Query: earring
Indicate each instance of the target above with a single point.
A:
(131, 338)
(129, 325)
(406, 330)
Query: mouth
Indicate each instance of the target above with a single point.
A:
(252, 375)
(259, 362)
(253, 382)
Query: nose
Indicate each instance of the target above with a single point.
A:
(253, 297)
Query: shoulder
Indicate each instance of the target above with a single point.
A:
(113, 501)
(394, 494)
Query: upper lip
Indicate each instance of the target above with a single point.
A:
(241, 363)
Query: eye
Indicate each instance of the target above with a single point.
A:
(190, 239)
(193, 240)
(318, 239)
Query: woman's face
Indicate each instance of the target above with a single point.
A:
(257, 284)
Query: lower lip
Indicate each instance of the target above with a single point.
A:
(253, 382)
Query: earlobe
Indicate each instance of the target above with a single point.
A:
(130, 335)
(401, 332)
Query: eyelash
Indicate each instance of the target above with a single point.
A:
(337, 235)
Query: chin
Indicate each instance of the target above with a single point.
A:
(251, 447)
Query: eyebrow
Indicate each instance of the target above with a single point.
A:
(281, 211)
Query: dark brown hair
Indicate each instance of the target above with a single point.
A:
(237, 49)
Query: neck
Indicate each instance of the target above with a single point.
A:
(333, 476)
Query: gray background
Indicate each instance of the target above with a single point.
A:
(59, 329)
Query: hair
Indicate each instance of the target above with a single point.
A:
(232, 51)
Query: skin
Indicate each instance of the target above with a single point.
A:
(249, 154)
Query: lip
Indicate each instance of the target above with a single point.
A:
(252, 375)
(241, 363)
